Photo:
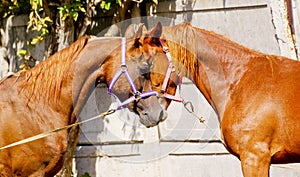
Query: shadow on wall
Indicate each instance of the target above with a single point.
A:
(98, 102)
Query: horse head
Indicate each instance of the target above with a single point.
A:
(158, 64)
(140, 57)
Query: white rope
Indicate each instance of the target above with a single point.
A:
(52, 132)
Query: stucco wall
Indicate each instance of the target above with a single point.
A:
(181, 146)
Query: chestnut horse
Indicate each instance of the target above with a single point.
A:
(256, 96)
(51, 94)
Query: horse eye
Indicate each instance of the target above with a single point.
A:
(156, 85)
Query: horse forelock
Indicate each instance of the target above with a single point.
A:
(46, 79)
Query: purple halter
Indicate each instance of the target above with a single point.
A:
(124, 70)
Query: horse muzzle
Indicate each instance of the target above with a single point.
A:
(153, 118)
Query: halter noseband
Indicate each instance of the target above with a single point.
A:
(124, 70)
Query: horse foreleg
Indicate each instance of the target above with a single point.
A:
(256, 163)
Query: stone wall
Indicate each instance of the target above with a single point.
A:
(14, 38)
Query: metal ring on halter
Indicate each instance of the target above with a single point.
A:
(161, 94)
(162, 91)
(137, 96)
(124, 68)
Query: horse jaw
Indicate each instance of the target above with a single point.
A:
(85, 91)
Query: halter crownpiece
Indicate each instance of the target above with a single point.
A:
(124, 70)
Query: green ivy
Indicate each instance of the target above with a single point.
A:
(71, 10)
(85, 175)
(27, 60)
(14, 7)
(41, 23)
(107, 4)
(38, 22)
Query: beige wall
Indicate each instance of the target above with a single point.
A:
(181, 146)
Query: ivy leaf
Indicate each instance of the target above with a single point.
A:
(155, 1)
(75, 16)
(82, 9)
(119, 2)
(22, 52)
(23, 67)
(85, 175)
(35, 40)
(107, 6)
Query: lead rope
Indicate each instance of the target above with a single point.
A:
(188, 105)
(52, 132)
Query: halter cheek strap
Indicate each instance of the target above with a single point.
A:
(124, 70)
(171, 69)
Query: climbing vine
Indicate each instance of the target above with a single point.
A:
(38, 22)
(107, 4)
(41, 21)
(71, 10)
(13, 7)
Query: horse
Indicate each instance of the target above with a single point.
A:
(255, 95)
(52, 94)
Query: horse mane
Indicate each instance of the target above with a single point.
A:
(46, 78)
(184, 42)
(178, 38)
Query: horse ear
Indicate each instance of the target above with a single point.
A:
(137, 36)
(155, 34)
(140, 30)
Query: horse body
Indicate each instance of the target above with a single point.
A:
(50, 95)
(24, 107)
(255, 96)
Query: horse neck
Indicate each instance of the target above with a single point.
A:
(64, 82)
(212, 62)
(88, 68)
(46, 85)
